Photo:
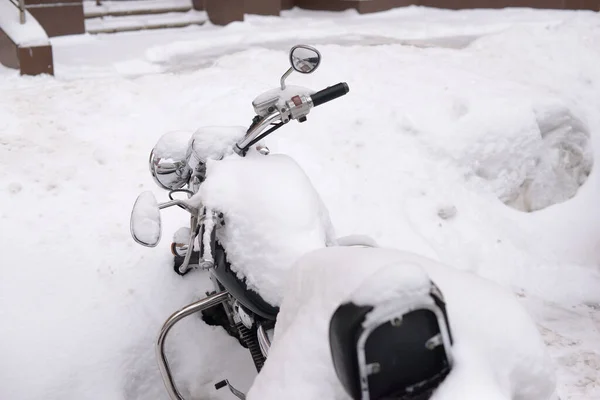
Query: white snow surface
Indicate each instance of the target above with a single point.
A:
(144, 21)
(215, 142)
(391, 283)
(30, 33)
(450, 113)
(91, 8)
(498, 349)
(273, 215)
(173, 145)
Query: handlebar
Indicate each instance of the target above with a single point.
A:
(297, 108)
(330, 93)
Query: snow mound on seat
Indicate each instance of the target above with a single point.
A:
(498, 351)
(273, 215)
(391, 283)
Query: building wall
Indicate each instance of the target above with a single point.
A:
(8, 51)
(229, 10)
(30, 60)
(36, 60)
(381, 5)
(58, 17)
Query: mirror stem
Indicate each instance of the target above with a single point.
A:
(284, 77)
(177, 202)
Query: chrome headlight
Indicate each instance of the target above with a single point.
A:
(169, 161)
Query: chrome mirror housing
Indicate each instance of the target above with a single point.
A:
(145, 223)
(304, 59)
(169, 162)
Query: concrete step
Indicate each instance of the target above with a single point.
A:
(134, 7)
(130, 23)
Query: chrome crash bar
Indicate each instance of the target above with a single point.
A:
(163, 364)
(194, 224)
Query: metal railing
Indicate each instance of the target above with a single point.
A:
(20, 4)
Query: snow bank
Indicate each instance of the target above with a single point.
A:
(272, 213)
(498, 351)
(215, 142)
(151, 20)
(29, 34)
(390, 283)
(91, 8)
(541, 163)
(173, 145)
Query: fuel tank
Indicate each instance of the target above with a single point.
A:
(238, 288)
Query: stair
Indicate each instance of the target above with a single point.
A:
(135, 15)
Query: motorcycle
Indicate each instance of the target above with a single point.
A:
(215, 165)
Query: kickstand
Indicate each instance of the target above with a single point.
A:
(233, 390)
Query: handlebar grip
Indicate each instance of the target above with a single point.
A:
(330, 93)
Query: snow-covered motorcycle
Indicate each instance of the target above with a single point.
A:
(252, 215)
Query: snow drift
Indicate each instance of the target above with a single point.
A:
(272, 214)
(498, 351)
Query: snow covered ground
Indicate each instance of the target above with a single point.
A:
(92, 9)
(455, 122)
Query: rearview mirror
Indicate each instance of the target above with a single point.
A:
(145, 224)
(304, 59)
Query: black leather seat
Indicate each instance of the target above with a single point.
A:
(404, 357)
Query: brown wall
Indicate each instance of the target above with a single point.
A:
(593, 5)
(8, 51)
(461, 4)
(36, 60)
(381, 5)
(263, 7)
(30, 60)
(329, 5)
(58, 17)
(223, 12)
(229, 10)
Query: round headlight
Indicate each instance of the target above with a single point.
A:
(168, 161)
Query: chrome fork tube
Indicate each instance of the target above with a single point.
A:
(163, 364)
(188, 256)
